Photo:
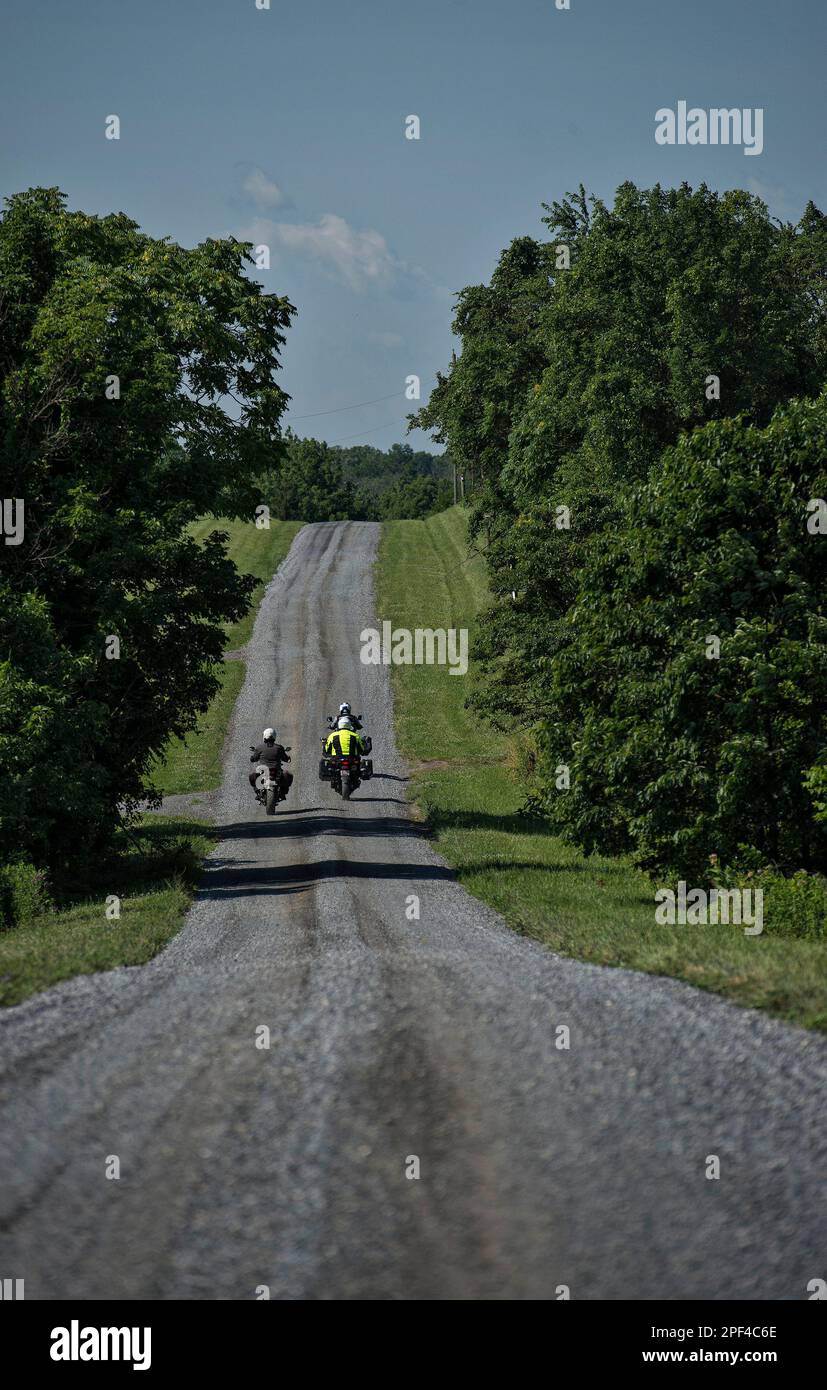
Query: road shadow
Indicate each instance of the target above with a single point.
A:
(291, 825)
(233, 880)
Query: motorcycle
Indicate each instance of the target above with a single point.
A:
(269, 787)
(345, 773)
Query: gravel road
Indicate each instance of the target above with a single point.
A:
(390, 1040)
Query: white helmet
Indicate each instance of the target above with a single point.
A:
(268, 735)
(344, 709)
(344, 723)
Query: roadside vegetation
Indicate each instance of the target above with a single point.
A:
(638, 407)
(325, 482)
(153, 868)
(470, 782)
(153, 865)
(119, 351)
(117, 599)
(193, 763)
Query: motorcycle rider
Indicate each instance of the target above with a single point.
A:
(271, 754)
(345, 713)
(341, 740)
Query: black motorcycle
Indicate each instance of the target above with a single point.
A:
(345, 773)
(270, 788)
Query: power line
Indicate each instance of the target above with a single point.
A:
(343, 437)
(357, 406)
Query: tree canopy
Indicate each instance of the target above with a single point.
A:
(583, 363)
(137, 391)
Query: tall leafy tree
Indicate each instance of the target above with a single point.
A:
(690, 704)
(681, 306)
(311, 485)
(137, 391)
(666, 332)
(474, 403)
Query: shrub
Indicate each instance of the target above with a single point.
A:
(24, 894)
(795, 906)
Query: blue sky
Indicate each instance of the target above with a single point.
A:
(288, 125)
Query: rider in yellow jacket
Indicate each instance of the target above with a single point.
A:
(344, 740)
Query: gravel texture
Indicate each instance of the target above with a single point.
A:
(242, 1166)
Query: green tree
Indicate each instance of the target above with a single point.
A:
(473, 405)
(322, 482)
(310, 484)
(678, 748)
(137, 392)
(667, 289)
(414, 498)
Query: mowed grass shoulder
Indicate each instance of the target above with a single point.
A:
(595, 909)
(193, 764)
(152, 870)
(426, 578)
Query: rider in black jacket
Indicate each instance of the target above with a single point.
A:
(271, 754)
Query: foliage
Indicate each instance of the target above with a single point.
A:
(24, 894)
(310, 485)
(794, 906)
(321, 482)
(414, 498)
(119, 355)
(676, 749)
(633, 491)
(375, 470)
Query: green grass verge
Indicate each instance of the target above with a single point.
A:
(153, 870)
(253, 552)
(595, 909)
(193, 764)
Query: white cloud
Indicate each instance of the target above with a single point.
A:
(359, 258)
(263, 191)
(259, 232)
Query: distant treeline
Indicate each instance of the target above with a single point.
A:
(637, 408)
(322, 482)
